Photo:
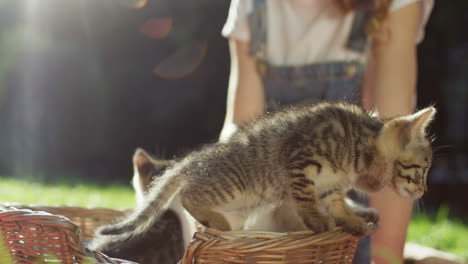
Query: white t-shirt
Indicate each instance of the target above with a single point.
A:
(306, 31)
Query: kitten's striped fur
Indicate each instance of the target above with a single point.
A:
(296, 164)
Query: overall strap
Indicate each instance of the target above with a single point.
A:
(257, 21)
(357, 38)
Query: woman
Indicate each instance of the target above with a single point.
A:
(296, 51)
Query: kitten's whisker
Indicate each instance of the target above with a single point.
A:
(442, 154)
(437, 149)
(418, 205)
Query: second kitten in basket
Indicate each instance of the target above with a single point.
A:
(147, 171)
(161, 243)
(300, 161)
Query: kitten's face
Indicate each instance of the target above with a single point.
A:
(404, 139)
(410, 169)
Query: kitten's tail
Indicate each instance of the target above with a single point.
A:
(156, 203)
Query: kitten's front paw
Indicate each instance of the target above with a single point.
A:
(356, 226)
(369, 214)
(320, 223)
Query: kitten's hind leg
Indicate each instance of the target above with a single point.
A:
(206, 216)
(236, 220)
(287, 218)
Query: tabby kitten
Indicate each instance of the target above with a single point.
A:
(162, 243)
(296, 163)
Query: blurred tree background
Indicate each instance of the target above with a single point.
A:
(83, 83)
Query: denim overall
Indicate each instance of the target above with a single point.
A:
(330, 81)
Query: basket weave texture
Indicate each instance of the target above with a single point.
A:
(87, 219)
(208, 246)
(213, 246)
(31, 236)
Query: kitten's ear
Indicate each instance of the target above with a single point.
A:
(399, 132)
(143, 163)
(141, 157)
(420, 120)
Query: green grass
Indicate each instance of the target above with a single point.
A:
(438, 232)
(83, 194)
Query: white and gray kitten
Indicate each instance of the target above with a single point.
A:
(163, 242)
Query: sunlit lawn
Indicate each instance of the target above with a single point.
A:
(437, 232)
(79, 194)
(440, 232)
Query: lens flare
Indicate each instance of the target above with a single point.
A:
(182, 62)
(140, 4)
(157, 28)
(136, 4)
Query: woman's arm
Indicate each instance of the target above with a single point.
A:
(391, 86)
(245, 100)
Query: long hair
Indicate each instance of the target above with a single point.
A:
(379, 8)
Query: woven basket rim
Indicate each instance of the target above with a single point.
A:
(39, 205)
(240, 233)
(215, 246)
(40, 221)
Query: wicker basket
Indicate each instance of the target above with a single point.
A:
(87, 219)
(40, 237)
(210, 245)
(213, 246)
